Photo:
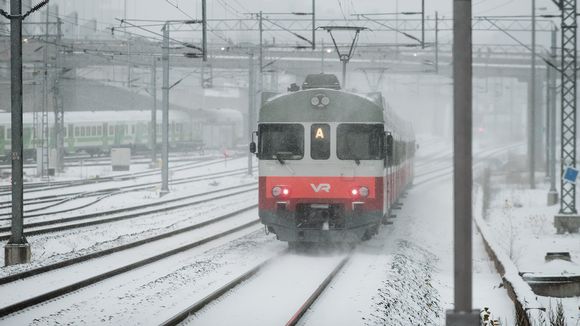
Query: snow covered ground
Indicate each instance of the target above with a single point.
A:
(403, 276)
(522, 224)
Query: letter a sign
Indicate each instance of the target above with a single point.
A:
(319, 134)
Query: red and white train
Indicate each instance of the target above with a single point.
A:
(331, 163)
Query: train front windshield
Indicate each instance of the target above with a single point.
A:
(359, 141)
(281, 141)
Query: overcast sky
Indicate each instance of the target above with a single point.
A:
(106, 10)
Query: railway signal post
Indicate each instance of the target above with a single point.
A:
(17, 250)
(462, 315)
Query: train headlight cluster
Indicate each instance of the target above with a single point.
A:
(278, 191)
(320, 101)
(362, 191)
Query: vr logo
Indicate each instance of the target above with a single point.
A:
(321, 187)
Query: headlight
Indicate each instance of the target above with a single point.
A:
(277, 191)
(363, 191)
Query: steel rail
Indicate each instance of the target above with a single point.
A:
(105, 193)
(310, 301)
(5, 234)
(191, 310)
(98, 254)
(27, 303)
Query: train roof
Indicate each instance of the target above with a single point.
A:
(297, 107)
(342, 106)
(101, 116)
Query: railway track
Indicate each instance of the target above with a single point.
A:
(57, 200)
(253, 276)
(65, 277)
(85, 220)
(55, 185)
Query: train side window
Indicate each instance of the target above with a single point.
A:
(93, 131)
(99, 131)
(133, 129)
(9, 133)
(83, 131)
(281, 142)
(77, 132)
(320, 142)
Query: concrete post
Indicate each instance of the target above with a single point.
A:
(17, 250)
(462, 162)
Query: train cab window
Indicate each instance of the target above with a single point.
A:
(281, 141)
(320, 142)
(359, 141)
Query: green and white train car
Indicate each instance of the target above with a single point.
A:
(96, 132)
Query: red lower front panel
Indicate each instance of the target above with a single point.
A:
(321, 190)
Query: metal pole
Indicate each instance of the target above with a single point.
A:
(343, 74)
(532, 108)
(436, 42)
(568, 99)
(59, 105)
(251, 106)
(165, 118)
(261, 58)
(44, 121)
(17, 251)
(154, 112)
(322, 56)
(422, 24)
(553, 193)
(313, 24)
(462, 162)
(204, 28)
(546, 149)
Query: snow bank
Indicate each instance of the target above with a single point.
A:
(526, 300)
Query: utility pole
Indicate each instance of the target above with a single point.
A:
(436, 42)
(313, 24)
(165, 118)
(58, 102)
(44, 116)
(532, 107)
(462, 166)
(261, 57)
(204, 29)
(322, 56)
(251, 105)
(422, 24)
(17, 250)
(154, 112)
(552, 88)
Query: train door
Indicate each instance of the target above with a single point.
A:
(119, 133)
(2, 140)
(105, 136)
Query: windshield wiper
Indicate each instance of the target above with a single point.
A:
(277, 156)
